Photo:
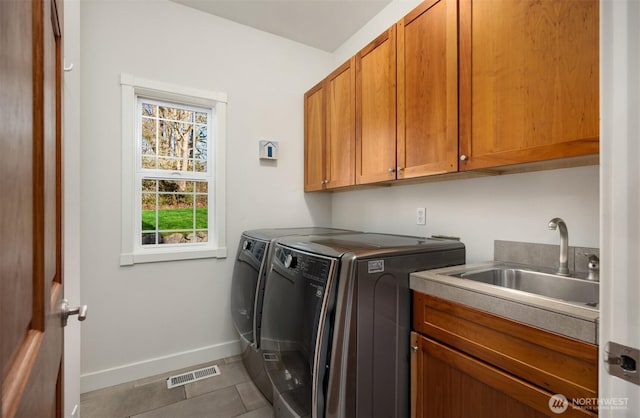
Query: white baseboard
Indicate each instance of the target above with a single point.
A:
(146, 368)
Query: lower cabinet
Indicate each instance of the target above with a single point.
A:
(468, 363)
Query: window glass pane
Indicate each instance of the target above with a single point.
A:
(175, 140)
(200, 143)
(148, 212)
(167, 163)
(185, 186)
(175, 114)
(149, 109)
(201, 117)
(175, 237)
(202, 220)
(199, 166)
(149, 185)
(148, 136)
(175, 211)
(202, 186)
(165, 138)
(201, 236)
(149, 162)
(150, 238)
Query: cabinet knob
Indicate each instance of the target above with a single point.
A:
(414, 348)
(399, 169)
(392, 170)
(463, 157)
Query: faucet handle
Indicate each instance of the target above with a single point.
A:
(594, 266)
(594, 261)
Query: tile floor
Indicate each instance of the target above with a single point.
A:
(231, 394)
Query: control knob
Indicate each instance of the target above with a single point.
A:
(290, 261)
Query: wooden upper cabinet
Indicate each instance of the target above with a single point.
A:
(340, 126)
(528, 81)
(329, 131)
(459, 85)
(314, 132)
(376, 110)
(427, 92)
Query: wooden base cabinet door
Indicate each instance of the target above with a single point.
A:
(427, 65)
(447, 383)
(528, 81)
(376, 110)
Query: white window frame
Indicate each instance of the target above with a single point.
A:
(132, 252)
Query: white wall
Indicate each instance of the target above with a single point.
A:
(381, 22)
(149, 318)
(512, 207)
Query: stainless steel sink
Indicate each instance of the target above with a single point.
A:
(568, 289)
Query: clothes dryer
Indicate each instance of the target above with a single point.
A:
(336, 321)
(247, 287)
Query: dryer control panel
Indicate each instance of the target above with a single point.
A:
(308, 266)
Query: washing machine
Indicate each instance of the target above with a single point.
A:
(246, 292)
(336, 320)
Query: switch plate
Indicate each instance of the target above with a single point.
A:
(421, 216)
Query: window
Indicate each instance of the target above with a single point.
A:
(173, 172)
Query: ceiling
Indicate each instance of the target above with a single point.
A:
(322, 24)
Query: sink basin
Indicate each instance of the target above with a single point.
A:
(544, 284)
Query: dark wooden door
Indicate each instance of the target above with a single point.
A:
(30, 208)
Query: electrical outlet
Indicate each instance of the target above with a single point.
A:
(421, 216)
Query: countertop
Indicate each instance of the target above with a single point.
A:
(565, 318)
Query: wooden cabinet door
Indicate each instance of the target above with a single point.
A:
(340, 126)
(448, 383)
(376, 110)
(31, 333)
(314, 133)
(427, 90)
(528, 81)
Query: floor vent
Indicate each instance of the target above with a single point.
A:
(192, 376)
(269, 356)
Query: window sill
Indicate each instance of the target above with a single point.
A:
(173, 254)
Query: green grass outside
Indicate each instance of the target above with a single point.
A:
(174, 219)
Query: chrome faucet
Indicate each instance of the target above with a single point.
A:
(558, 223)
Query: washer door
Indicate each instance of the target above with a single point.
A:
(243, 286)
(294, 309)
